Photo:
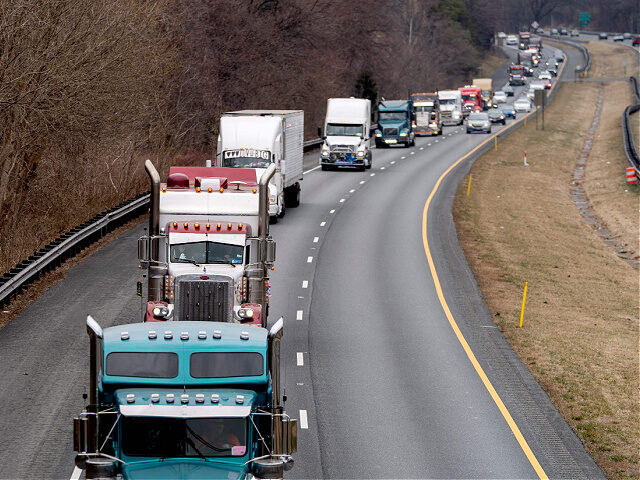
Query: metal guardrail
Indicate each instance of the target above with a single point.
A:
(68, 245)
(627, 130)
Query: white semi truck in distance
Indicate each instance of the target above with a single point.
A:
(450, 107)
(257, 138)
(347, 128)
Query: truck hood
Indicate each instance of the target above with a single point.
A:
(343, 140)
(183, 469)
(394, 124)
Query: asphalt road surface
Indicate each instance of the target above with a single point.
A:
(381, 383)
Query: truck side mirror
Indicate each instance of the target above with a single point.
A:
(254, 251)
(143, 251)
(320, 131)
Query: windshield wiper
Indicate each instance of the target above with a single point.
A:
(192, 444)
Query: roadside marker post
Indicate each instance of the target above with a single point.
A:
(469, 186)
(495, 142)
(525, 159)
(631, 176)
(524, 299)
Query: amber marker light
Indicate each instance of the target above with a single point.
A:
(186, 224)
(218, 226)
(197, 189)
(221, 189)
(197, 225)
(210, 189)
(164, 189)
(208, 226)
(239, 226)
(254, 190)
(229, 226)
(175, 224)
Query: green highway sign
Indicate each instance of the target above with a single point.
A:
(584, 19)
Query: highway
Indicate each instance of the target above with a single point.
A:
(374, 369)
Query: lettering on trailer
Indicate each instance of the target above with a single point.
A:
(247, 153)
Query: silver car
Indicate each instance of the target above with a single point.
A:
(478, 122)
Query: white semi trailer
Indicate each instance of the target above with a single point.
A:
(258, 138)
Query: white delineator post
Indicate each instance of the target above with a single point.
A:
(525, 159)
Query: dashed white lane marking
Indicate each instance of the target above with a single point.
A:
(309, 259)
(305, 284)
(372, 175)
(381, 168)
(436, 141)
(311, 170)
(421, 148)
(76, 474)
(362, 181)
(342, 200)
(315, 239)
(449, 134)
(322, 224)
(332, 211)
(402, 158)
(392, 162)
(304, 421)
(352, 190)
(428, 144)
(413, 153)
(299, 359)
(299, 315)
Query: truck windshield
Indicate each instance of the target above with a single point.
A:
(245, 162)
(206, 252)
(423, 109)
(344, 129)
(468, 96)
(392, 116)
(447, 101)
(175, 437)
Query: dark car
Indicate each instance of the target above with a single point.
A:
(496, 115)
(508, 89)
(563, 31)
(509, 111)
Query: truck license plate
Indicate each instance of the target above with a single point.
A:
(391, 141)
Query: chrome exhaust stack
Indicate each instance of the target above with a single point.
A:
(275, 337)
(156, 270)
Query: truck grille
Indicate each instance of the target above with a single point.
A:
(445, 114)
(388, 132)
(199, 299)
(343, 149)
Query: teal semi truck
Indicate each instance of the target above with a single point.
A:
(395, 120)
(192, 400)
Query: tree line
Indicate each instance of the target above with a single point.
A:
(90, 89)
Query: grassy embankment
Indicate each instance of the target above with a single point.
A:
(580, 335)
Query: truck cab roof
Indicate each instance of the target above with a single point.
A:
(394, 105)
(195, 353)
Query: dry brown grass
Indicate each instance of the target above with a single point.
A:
(580, 335)
(608, 60)
(492, 62)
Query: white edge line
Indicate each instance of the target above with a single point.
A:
(332, 211)
(300, 359)
(305, 284)
(311, 170)
(309, 259)
(299, 315)
(322, 224)
(315, 239)
(304, 421)
(76, 474)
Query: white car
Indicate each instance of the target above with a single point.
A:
(501, 35)
(511, 40)
(618, 38)
(530, 94)
(545, 75)
(500, 97)
(522, 105)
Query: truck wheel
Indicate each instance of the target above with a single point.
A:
(282, 212)
(325, 168)
(273, 219)
(292, 196)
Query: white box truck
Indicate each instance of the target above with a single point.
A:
(450, 107)
(346, 137)
(255, 139)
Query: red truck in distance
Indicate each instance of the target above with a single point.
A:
(471, 99)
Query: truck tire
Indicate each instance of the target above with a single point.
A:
(362, 167)
(282, 212)
(292, 196)
(273, 219)
(324, 168)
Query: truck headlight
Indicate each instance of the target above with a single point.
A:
(404, 134)
(456, 114)
(433, 124)
(160, 312)
(378, 134)
(360, 154)
(245, 312)
(325, 153)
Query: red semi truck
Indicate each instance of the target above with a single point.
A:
(471, 99)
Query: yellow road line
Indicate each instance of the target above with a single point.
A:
(496, 398)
